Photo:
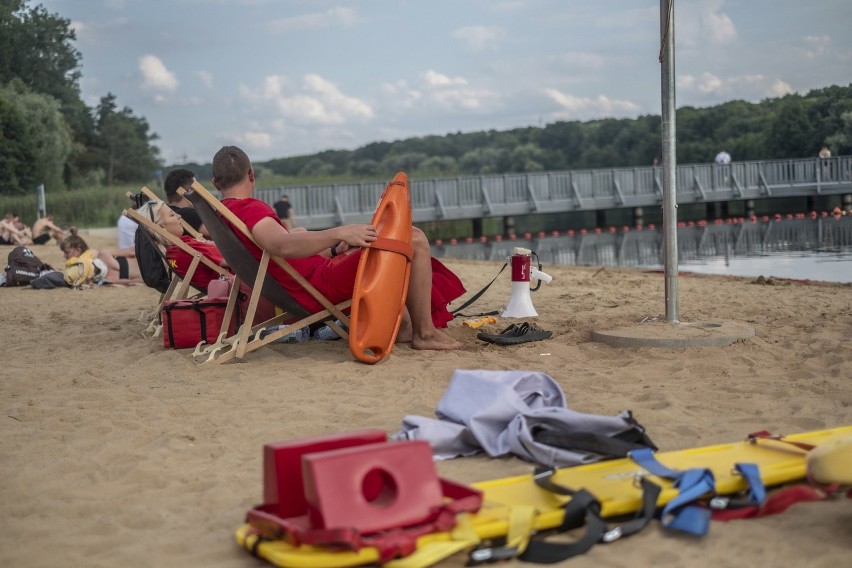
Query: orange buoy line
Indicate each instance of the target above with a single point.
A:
(837, 213)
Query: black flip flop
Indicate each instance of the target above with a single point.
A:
(515, 334)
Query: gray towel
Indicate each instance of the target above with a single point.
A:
(496, 412)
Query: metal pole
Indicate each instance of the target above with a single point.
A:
(42, 208)
(667, 34)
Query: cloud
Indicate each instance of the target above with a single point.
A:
(155, 76)
(206, 78)
(336, 17)
(94, 34)
(704, 22)
(254, 140)
(435, 79)
(401, 94)
(453, 93)
(480, 38)
(817, 46)
(745, 86)
(577, 59)
(319, 101)
(720, 26)
(586, 107)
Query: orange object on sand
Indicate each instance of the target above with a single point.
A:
(381, 284)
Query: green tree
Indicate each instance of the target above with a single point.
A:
(37, 49)
(16, 151)
(125, 149)
(43, 140)
(365, 167)
(840, 142)
(791, 131)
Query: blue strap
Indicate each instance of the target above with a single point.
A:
(693, 484)
(756, 489)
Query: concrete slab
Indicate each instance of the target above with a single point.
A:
(655, 333)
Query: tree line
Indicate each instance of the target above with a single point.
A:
(792, 126)
(48, 135)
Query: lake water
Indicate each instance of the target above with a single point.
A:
(796, 248)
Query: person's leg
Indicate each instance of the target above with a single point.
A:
(122, 267)
(125, 271)
(424, 335)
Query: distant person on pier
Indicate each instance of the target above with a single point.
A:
(723, 157)
(825, 154)
(286, 213)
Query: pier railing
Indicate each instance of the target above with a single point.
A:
(476, 197)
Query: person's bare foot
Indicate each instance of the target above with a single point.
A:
(406, 332)
(436, 341)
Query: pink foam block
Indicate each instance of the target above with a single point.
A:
(371, 488)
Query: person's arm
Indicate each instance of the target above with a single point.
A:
(128, 252)
(274, 238)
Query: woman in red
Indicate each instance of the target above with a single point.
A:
(179, 259)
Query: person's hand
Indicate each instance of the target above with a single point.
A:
(358, 235)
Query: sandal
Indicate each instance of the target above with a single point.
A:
(515, 334)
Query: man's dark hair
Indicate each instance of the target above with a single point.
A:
(181, 177)
(230, 166)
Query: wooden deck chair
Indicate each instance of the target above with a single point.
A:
(179, 287)
(151, 196)
(246, 267)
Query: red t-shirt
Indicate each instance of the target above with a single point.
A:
(334, 278)
(180, 260)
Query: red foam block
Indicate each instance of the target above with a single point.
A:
(372, 488)
(282, 467)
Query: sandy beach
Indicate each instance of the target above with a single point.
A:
(118, 452)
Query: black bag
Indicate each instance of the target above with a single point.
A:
(23, 266)
(152, 264)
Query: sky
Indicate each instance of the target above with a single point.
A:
(283, 78)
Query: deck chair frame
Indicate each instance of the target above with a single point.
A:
(179, 287)
(247, 267)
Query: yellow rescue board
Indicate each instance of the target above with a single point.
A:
(612, 482)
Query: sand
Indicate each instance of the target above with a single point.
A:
(118, 452)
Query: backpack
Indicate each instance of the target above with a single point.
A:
(23, 266)
(152, 266)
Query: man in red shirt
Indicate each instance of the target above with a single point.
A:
(314, 253)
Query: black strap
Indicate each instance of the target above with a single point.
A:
(538, 262)
(609, 446)
(456, 312)
(168, 313)
(583, 508)
(203, 329)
